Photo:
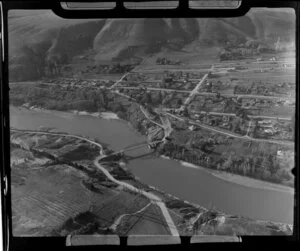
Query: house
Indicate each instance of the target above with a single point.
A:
(264, 122)
(225, 118)
(285, 155)
(26, 105)
(192, 128)
(268, 131)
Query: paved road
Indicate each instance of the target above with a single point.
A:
(123, 95)
(61, 79)
(155, 89)
(269, 117)
(170, 69)
(253, 76)
(147, 116)
(250, 116)
(154, 198)
(210, 93)
(142, 81)
(244, 96)
(166, 126)
(85, 79)
(249, 127)
(234, 115)
(185, 91)
(230, 134)
(196, 89)
(118, 81)
(126, 74)
(157, 81)
(118, 220)
(193, 92)
(135, 147)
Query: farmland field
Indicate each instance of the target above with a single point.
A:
(47, 192)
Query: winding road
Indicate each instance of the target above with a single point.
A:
(118, 81)
(230, 134)
(118, 220)
(155, 199)
(152, 197)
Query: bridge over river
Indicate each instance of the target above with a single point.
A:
(131, 148)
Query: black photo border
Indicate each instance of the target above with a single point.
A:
(53, 243)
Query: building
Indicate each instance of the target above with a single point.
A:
(269, 131)
(192, 128)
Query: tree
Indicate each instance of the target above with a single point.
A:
(264, 168)
(147, 99)
(228, 163)
(293, 125)
(159, 98)
(274, 164)
(179, 102)
(185, 112)
(234, 124)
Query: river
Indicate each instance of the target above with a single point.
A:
(195, 185)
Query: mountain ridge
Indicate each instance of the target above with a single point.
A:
(37, 38)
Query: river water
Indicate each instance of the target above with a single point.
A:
(194, 185)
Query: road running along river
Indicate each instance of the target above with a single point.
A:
(194, 185)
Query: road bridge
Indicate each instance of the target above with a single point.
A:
(133, 147)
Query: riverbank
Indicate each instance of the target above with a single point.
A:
(237, 179)
(229, 177)
(240, 180)
(91, 176)
(253, 183)
(168, 175)
(181, 207)
(102, 115)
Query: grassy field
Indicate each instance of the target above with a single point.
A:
(231, 226)
(148, 222)
(189, 57)
(47, 194)
(122, 203)
(275, 77)
(47, 198)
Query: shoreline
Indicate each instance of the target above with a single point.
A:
(237, 179)
(154, 189)
(228, 177)
(253, 183)
(101, 115)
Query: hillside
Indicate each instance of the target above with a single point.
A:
(40, 39)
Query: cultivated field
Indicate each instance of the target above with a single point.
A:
(57, 182)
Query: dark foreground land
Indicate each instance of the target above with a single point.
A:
(57, 190)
